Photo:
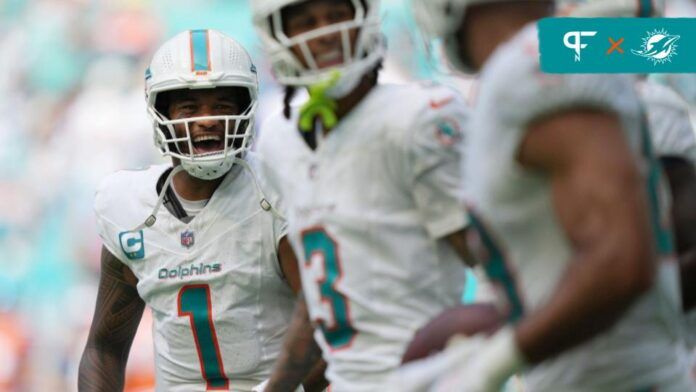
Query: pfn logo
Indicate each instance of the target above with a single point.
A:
(573, 40)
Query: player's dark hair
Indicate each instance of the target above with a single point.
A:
(287, 99)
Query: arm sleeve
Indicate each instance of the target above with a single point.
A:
(518, 93)
(105, 228)
(434, 147)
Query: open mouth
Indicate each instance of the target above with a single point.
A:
(206, 144)
(329, 59)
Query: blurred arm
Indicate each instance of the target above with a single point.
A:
(599, 198)
(300, 360)
(457, 241)
(117, 314)
(289, 266)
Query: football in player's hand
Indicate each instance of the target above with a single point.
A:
(465, 320)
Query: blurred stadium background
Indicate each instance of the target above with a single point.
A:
(72, 110)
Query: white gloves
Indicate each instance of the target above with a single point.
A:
(468, 364)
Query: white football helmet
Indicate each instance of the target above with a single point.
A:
(202, 59)
(439, 21)
(611, 8)
(288, 69)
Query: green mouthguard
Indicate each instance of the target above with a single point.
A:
(319, 105)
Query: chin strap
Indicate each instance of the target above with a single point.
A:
(320, 106)
(153, 215)
(263, 202)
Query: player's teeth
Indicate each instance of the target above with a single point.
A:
(329, 56)
(206, 138)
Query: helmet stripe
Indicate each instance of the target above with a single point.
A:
(200, 50)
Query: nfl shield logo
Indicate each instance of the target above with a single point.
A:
(187, 239)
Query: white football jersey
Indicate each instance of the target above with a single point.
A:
(366, 212)
(218, 299)
(522, 245)
(670, 122)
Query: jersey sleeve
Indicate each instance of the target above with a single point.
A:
(106, 228)
(519, 93)
(434, 147)
(670, 124)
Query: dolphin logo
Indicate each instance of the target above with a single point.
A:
(659, 47)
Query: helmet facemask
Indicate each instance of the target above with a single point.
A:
(235, 140)
(358, 56)
(192, 65)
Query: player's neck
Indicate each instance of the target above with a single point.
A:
(194, 189)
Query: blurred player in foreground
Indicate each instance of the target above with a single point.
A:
(675, 144)
(564, 192)
(370, 176)
(213, 265)
(672, 134)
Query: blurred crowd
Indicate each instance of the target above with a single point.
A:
(72, 110)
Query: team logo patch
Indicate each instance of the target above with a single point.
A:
(448, 132)
(132, 244)
(187, 239)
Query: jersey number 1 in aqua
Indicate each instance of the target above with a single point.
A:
(194, 302)
(316, 242)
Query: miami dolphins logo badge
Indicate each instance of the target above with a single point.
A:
(659, 47)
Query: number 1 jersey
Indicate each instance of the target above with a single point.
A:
(218, 299)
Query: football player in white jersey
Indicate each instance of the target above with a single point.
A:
(371, 188)
(675, 144)
(564, 193)
(213, 264)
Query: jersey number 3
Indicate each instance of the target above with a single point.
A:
(194, 303)
(318, 245)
